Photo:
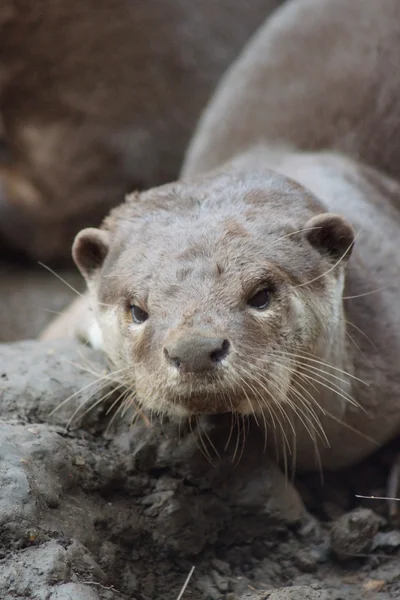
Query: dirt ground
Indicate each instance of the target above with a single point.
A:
(114, 511)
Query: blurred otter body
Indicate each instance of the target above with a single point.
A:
(98, 98)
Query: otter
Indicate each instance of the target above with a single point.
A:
(265, 282)
(98, 98)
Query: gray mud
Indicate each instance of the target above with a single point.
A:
(116, 511)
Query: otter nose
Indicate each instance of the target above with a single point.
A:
(196, 354)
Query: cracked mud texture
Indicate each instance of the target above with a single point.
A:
(121, 512)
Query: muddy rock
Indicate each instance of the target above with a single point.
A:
(106, 510)
(297, 593)
(288, 593)
(75, 591)
(353, 534)
(85, 504)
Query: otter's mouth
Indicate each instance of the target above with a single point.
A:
(198, 403)
(205, 395)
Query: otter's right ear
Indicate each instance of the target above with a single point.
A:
(89, 250)
(332, 235)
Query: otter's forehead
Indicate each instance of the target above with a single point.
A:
(262, 201)
(225, 227)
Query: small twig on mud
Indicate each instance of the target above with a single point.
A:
(188, 578)
(378, 498)
(110, 587)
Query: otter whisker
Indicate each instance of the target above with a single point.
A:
(285, 446)
(284, 237)
(120, 401)
(353, 341)
(262, 412)
(306, 356)
(60, 278)
(202, 442)
(294, 458)
(385, 287)
(322, 436)
(136, 414)
(239, 420)
(228, 441)
(234, 415)
(250, 404)
(244, 438)
(130, 401)
(91, 407)
(101, 381)
(308, 422)
(203, 449)
(235, 426)
(352, 429)
(105, 375)
(116, 401)
(360, 331)
(309, 415)
(98, 382)
(229, 405)
(303, 399)
(49, 310)
(320, 379)
(278, 405)
(294, 408)
(256, 392)
(224, 394)
(209, 440)
(269, 408)
(315, 371)
(338, 420)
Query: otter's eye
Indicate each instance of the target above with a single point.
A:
(138, 314)
(260, 300)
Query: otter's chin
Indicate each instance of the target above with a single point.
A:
(203, 403)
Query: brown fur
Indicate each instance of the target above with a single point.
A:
(319, 365)
(99, 97)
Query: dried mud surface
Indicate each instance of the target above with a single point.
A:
(114, 512)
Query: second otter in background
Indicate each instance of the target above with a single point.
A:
(98, 98)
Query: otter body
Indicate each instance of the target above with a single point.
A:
(266, 281)
(316, 76)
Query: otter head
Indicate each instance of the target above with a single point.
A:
(209, 292)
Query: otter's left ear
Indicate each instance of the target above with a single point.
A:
(332, 235)
(89, 250)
